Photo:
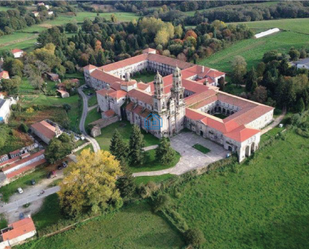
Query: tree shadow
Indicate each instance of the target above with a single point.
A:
(291, 233)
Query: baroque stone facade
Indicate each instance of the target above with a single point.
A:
(186, 97)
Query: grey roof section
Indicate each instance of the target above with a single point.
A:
(2, 101)
(303, 61)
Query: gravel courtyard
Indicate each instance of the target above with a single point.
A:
(190, 157)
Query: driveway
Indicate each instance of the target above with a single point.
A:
(191, 158)
(95, 145)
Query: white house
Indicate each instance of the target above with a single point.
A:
(17, 53)
(50, 13)
(5, 108)
(304, 63)
(17, 232)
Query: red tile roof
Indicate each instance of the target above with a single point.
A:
(16, 50)
(140, 95)
(242, 133)
(112, 80)
(125, 63)
(118, 94)
(142, 86)
(26, 168)
(137, 109)
(18, 162)
(4, 75)
(10, 161)
(20, 228)
(45, 129)
(89, 67)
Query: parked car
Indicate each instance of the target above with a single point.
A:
(60, 167)
(20, 190)
(33, 182)
(52, 174)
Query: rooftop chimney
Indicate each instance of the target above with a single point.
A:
(203, 69)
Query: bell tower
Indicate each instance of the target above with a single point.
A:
(177, 90)
(159, 96)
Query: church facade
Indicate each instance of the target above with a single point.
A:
(182, 95)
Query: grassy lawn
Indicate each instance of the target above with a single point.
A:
(145, 77)
(92, 116)
(263, 204)
(220, 115)
(3, 222)
(49, 213)
(201, 148)
(85, 148)
(25, 39)
(152, 164)
(253, 49)
(125, 129)
(233, 89)
(134, 226)
(92, 101)
(156, 179)
(23, 182)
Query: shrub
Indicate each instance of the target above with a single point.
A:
(161, 202)
(194, 237)
(24, 128)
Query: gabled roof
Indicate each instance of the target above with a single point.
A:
(242, 133)
(140, 95)
(45, 129)
(118, 94)
(19, 228)
(16, 50)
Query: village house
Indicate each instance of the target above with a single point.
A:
(4, 75)
(52, 76)
(182, 95)
(45, 131)
(304, 63)
(17, 53)
(5, 108)
(17, 232)
(63, 93)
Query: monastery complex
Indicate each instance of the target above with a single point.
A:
(182, 95)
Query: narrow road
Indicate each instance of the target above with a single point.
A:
(14, 205)
(95, 145)
(276, 122)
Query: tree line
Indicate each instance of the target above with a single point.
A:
(275, 81)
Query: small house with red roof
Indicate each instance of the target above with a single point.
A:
(17, 53)
(4, 75)
(17, 232)
(45, 131)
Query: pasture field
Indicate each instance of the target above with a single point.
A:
(261, 203)
(134, 226)
(25, 39)
(253, 49)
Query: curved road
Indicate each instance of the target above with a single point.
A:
(95, 145)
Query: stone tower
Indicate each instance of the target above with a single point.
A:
(177, 108)
(159, 100)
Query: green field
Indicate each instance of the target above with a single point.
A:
(92, 116)
(201, 148)
(125, 129)
(25, 39)
(253, 49)
(262, 203)
(134, 226)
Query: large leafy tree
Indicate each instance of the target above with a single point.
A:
(90, 184)
(118, 147)
(164, 152)
(239, 66)
(136, 144)
(59, 147)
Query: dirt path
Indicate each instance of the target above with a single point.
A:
(276, 122)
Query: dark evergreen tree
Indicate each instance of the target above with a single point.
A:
(118, 147)
(164, 152)
(136, 144)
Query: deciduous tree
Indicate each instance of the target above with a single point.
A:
(90, 184)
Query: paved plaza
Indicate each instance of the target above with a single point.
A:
(190, 158)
